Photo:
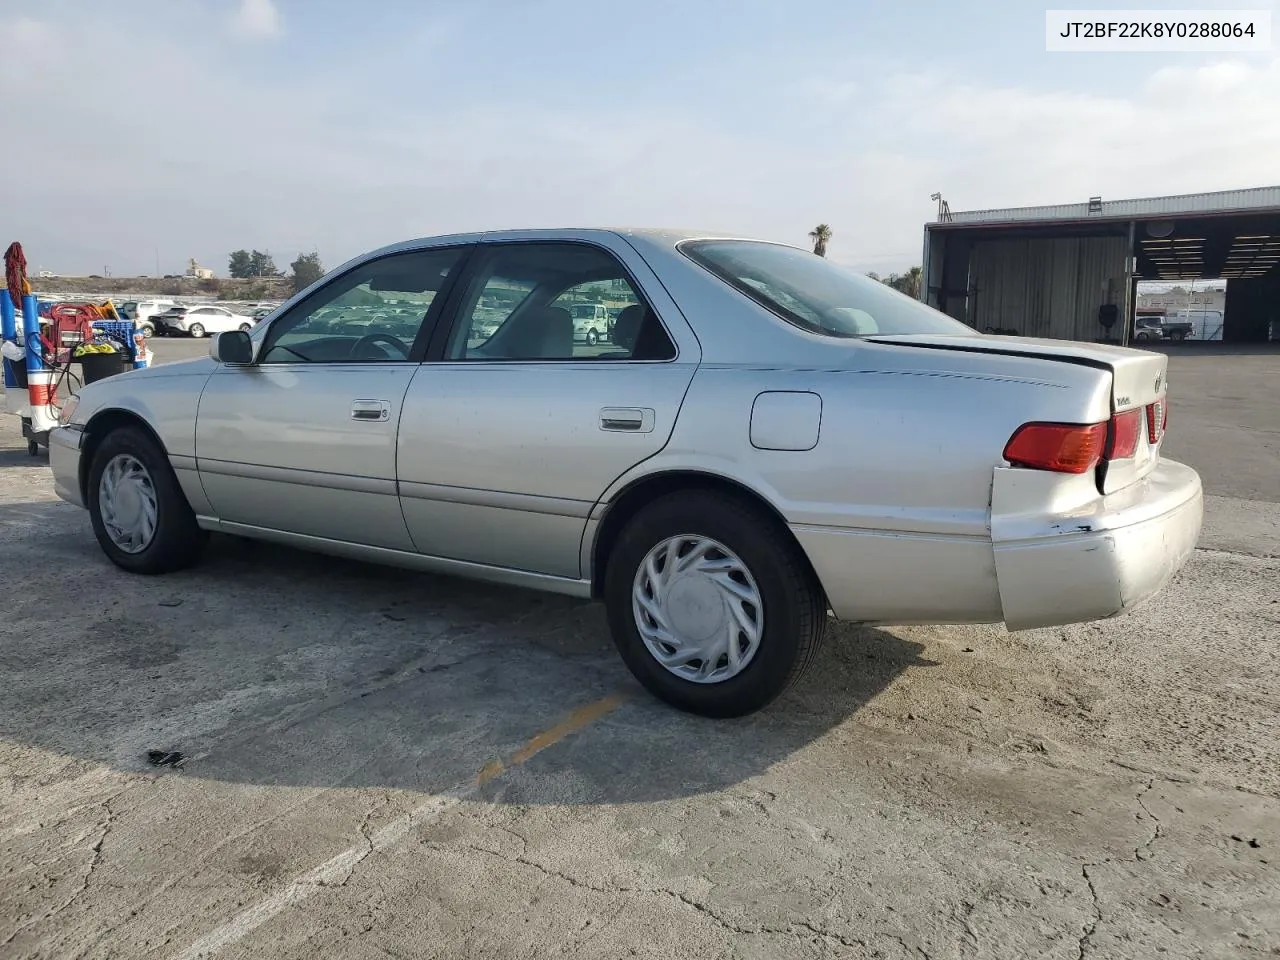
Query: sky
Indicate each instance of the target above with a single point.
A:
(145, 130)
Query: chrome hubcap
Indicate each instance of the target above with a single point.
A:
(127, 501)
(698, 609)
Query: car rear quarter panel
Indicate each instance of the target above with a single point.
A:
(893, 502)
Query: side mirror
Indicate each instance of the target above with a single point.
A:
(233, 348)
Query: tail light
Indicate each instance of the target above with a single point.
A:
(1079, 447)
(1060, 447)
(1157, 420)
(1123, 441)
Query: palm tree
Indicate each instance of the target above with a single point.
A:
(911, 282)
(821, 236)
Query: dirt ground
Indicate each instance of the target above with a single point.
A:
(386, 764)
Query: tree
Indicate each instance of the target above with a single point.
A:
(821, 236)
(241, 265)
(307, 269)
(908, 283)
(261, 265)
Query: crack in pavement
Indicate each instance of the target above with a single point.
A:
(1140, 855)
(368, 839)
(795, 929)
(1140, 852)
(94, 863)
(1086, 938)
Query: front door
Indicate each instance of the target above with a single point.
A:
(515, 427)
(304, 439)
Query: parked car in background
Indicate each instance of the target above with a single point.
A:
(201, 321)
(770, 438)
(143, 312)
(1177, 327)
(1148, 328)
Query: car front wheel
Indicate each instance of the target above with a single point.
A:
(139, 514)
(711, 604)
(592, 337)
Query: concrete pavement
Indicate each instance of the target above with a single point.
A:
(385, 764)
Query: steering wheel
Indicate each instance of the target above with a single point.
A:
(386, 338)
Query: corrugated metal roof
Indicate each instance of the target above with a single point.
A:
(1223, 201)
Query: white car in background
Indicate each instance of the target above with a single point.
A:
(142, 312)
(201, 321)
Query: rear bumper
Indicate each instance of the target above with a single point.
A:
(64, 461)
(1041, 566)
(1102, 561)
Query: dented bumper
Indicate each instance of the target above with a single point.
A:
(1099, 560)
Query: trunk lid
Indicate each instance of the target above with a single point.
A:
(1138, 383)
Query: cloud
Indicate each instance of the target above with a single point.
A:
(229, 152)
(257, 20)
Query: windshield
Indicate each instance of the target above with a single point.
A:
(815, 294)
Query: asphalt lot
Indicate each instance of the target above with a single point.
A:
(386, 764)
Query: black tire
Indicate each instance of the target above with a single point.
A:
(795, 608)
(592, 337)
(1180, 335)
(33, 448)
(245, 327)
(148, 331)
(196, 330)
(178, 541)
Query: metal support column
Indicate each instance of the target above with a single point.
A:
(1130, 288)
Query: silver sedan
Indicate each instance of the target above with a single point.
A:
(764, 441)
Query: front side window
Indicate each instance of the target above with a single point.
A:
(555, 301)
(815, 294)
(373, 313)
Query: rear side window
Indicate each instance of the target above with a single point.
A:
(815, 294)
(556, 300)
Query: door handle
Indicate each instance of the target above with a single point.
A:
(627, 419)
(371, 410)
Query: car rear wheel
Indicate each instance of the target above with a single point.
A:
(711, 605)
(139, 514)
(196, 330)
(148, 330)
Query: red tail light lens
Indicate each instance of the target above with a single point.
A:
(1123, 442)
(1060, 447)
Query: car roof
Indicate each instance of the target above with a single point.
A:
(660, 236)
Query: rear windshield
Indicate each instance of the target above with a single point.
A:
(815, 294)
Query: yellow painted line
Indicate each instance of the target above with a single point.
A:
(338, 869)
(552, 735)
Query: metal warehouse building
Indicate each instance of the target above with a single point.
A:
(1060, 271)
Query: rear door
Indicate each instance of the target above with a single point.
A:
(514, 427)
(303, 441)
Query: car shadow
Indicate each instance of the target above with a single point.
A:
(269, 666)
(23, 458)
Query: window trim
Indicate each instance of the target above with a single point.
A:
(430, 322)
(444, 331)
